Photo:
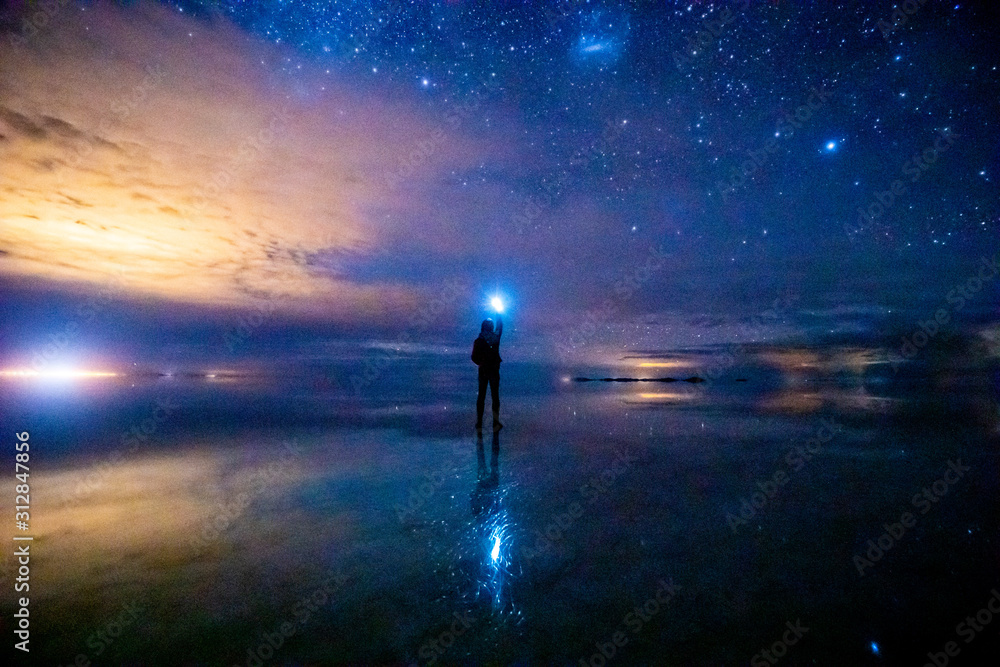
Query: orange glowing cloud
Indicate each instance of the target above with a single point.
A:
(183, 158)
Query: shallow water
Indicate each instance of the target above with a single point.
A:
(380, 529)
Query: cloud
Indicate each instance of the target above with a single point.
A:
(201, 165)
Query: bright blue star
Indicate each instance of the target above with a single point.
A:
(874, 647)
(830, 146)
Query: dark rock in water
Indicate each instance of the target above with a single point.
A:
(665, 380)
(694, 378)
(741, 379)
(582, 380)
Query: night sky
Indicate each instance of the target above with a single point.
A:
(667, 172)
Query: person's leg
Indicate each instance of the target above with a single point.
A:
(495, 394)
(481, 398)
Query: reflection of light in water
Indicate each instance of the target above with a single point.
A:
(666, 396)
(145, 516)
(498, 546)
(61, 374)
(499, 558)
(852, 400)
(665, 364)
(790, 400)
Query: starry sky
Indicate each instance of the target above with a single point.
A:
(664, 173)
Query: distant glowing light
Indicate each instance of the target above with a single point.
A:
(665, 396)
(497, 304)
(59, 374)
(831, 146)
(874, 647)
(495, 554)
(664, 364)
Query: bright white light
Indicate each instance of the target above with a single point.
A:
(831, 146)
(60, 374)
(496, 548)
(497, 304)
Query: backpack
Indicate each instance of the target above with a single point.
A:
(478, 352)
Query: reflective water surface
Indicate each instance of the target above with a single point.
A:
(286, 519)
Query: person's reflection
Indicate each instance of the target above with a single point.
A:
(491, 528)
(484, 496)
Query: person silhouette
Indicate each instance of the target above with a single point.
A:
(486, 355)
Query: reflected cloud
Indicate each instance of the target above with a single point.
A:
(143, 517)
(791, 400)
(665, 397)
(845, 400)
